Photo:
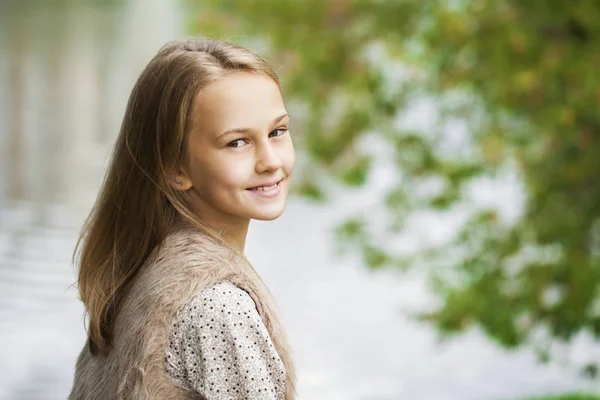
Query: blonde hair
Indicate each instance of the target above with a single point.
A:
(136, 206)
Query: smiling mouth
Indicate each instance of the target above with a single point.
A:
(265, 188)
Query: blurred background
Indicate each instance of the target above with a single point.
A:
(443, 236)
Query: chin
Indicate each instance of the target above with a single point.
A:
(266, 215)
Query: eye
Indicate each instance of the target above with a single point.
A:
(281, 130)
(230, 144)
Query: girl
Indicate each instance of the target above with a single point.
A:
(175, 309)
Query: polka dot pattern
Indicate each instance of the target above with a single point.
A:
(219, 347)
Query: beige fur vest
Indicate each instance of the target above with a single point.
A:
(186, 262)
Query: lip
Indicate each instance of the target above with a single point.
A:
(266, 184)
(269, 193)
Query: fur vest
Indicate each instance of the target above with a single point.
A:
(185, 263)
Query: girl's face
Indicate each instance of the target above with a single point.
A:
(239, 141)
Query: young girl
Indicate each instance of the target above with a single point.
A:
(175, 309)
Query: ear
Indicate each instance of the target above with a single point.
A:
(179, 180)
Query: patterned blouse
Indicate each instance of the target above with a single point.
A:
(220, 348)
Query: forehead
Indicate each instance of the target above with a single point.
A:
(240, 100)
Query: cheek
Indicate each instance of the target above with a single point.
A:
(289, 157)
(225, 173)
(205, 174)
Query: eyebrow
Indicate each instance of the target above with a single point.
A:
(246, 130)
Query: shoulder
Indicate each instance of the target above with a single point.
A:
(218, 337)
(194, 244)
(183, 249)
(181, 266)
(222, 294)
(222, 308)
(224, 301)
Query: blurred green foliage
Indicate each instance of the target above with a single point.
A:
(521, 76)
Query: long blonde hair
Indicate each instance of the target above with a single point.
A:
(136, 207)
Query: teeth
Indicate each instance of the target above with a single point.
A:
(267, 188)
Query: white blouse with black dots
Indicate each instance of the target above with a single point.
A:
(219, 347)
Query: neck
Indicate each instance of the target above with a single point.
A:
(233, 231)
(235, 235)
(233, 228)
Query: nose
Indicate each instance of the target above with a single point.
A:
(268, 159)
